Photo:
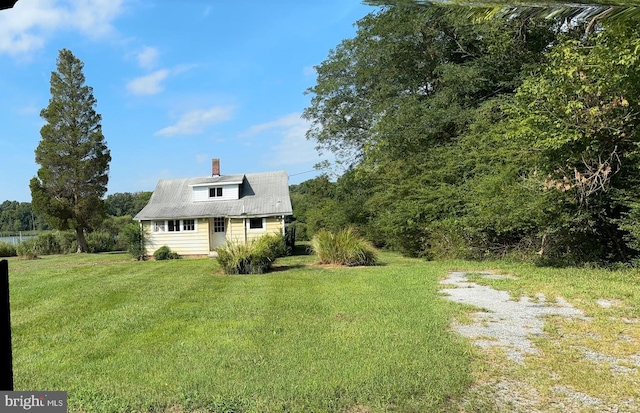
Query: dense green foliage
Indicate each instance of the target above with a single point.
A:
(18, 216)
(7, 250)
(115, 233)
(72, 154)
(126, 203)
(255, 257)
(27, 249)
(508, 137)
(344, 247)
(133, 237)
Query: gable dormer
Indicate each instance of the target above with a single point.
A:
(222, 188)
(217, 187)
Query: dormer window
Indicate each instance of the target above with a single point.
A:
(215, 192)
(216, 189)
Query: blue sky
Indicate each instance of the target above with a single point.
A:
(178, 82)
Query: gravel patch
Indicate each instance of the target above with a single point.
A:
(618, 365)
(504, 322)
(509, 324)
(608, 303)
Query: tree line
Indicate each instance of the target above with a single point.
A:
(480, 138)
(19, 216)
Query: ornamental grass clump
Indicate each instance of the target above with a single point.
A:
(256, 257)
(345, 247)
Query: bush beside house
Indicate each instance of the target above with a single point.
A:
(256, 257)
(165, 253)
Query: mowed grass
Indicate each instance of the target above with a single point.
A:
(179, 336)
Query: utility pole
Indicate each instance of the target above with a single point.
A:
(6, 356)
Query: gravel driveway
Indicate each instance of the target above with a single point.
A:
(504, 323)
(509, 325)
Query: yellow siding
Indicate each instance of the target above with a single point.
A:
(197, 243)
(184, 243)
(237, 232)
(274, 224)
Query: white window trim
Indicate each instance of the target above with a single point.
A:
(264, 225)
(166, 226)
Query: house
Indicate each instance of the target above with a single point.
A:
(194, 216)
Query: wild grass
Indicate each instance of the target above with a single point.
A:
(344, 247)
(122, 335)
(255, 257)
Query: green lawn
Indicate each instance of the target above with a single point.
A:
(177, 335)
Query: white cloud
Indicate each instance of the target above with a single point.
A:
(148, 57)
(293, 147)
(150, 84)
(196, 121)
(290, 121)
(28, 25)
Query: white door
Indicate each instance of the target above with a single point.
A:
(217, 233)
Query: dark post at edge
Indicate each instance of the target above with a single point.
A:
(6, 359)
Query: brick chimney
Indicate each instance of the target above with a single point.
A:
(215, 167)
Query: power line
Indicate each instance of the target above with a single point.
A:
(305, 172)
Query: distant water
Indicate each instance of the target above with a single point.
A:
(15, 239)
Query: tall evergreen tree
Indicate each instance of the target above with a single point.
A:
(73, 154)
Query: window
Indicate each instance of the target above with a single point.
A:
(189, 225)
(174, 225)
(218, 224)
(256, 223)
(215, 192)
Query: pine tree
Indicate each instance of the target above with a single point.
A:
(72, 154)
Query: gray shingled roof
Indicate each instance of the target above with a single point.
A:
(261, 194)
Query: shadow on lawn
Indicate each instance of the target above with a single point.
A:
(301, 250)
(281, 268)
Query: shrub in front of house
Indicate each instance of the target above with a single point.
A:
(344, 247)
(165, 253)
(7, 250)
(134, 238)
(273, 245)
(256, 257)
